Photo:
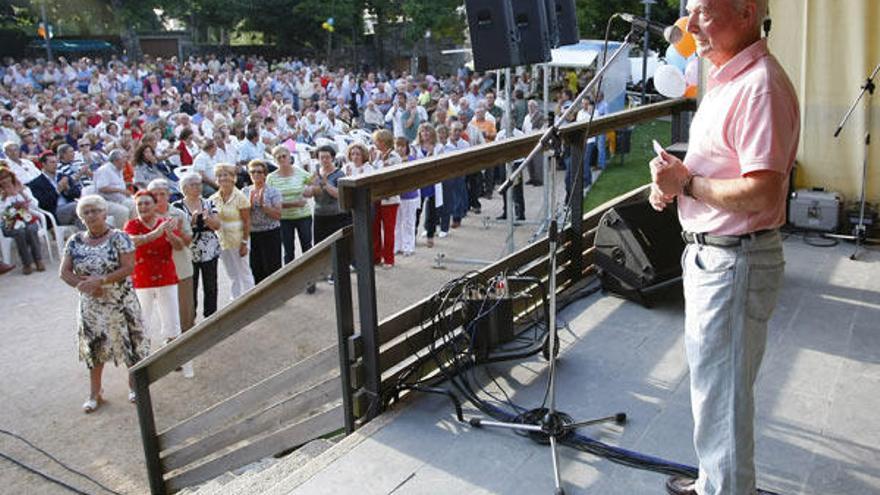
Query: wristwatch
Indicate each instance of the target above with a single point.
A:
(687, 188)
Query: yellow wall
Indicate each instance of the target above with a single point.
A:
(828, 48)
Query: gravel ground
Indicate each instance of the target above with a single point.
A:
(44, 384)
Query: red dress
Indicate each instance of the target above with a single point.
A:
(153, 262)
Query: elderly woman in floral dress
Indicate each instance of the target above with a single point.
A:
(97, 263)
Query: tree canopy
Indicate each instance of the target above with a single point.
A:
(297, 22)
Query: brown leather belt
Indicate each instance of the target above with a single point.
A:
(721, 240)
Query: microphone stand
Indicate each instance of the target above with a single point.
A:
(860, 231)
(556, 425)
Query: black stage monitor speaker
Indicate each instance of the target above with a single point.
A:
(534, 36)
(562, 17)
(638, 251)
(494, 34)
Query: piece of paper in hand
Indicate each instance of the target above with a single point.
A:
(657, 148)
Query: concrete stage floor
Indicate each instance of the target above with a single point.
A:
(818, 394)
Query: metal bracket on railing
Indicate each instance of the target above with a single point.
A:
(440, 261)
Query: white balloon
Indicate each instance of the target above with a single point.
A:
(692, 72)
(669, 81)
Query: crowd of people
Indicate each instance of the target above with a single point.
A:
(167, 166)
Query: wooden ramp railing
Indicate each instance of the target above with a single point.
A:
(343, 385)
(304, 401)
(382, 350)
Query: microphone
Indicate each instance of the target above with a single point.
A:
(671, 34)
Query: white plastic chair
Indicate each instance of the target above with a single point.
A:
(342, 143)
(362, 136)
(6, 249)
(44, 231)
(62, 232)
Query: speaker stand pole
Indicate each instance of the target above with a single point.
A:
(860, 231)
(508, 167)
(553, 424)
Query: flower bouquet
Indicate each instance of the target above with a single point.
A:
(17, 217)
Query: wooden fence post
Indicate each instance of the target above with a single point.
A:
(366, 290)
(578, 147)
(344, 322)
(148, 432)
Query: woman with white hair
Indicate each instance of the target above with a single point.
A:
(97, 263)
(205, 245)
(234, 209)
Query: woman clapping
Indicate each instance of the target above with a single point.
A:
(205, 245)
(154, 275)
(265, 220)
(296, 213)
(234, 210)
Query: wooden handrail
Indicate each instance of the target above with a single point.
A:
(412, 175)
(269, 294)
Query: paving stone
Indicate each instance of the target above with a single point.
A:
(817, 397)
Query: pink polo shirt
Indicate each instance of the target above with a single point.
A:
(747, 121)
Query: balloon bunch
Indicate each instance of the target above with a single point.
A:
(680, 74)
(328, 25)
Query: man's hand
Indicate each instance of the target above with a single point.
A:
(668, 174)
(658, 200)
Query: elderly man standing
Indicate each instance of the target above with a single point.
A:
(731, 191)
(111, 186)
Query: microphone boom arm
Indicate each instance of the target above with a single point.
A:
(546, 139)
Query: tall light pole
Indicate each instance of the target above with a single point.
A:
(46, 36)
(427, 49)
(645, 39)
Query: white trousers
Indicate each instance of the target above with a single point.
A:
(160, 312)
(729, 294)
(238, 270)
(405, 227)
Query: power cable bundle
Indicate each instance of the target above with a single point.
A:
(45, 476)
(451, 350)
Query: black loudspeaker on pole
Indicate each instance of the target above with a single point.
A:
(494, 35)
(534, 33)
(511, 33)
(566, 22)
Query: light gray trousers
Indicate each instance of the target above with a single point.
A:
(730, 294)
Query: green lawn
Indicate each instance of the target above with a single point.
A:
(619, 178)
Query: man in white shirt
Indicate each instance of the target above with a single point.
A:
(111, 185)
(519, 201)
(203, 164)
(394, 116)
(24, 169)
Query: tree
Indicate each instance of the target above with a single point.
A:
(593, 17)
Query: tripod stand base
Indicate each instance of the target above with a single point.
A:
(540, 424)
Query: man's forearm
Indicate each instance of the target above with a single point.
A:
(743, 194)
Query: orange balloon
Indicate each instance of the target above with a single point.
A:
(691, 91)
(686, 46)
